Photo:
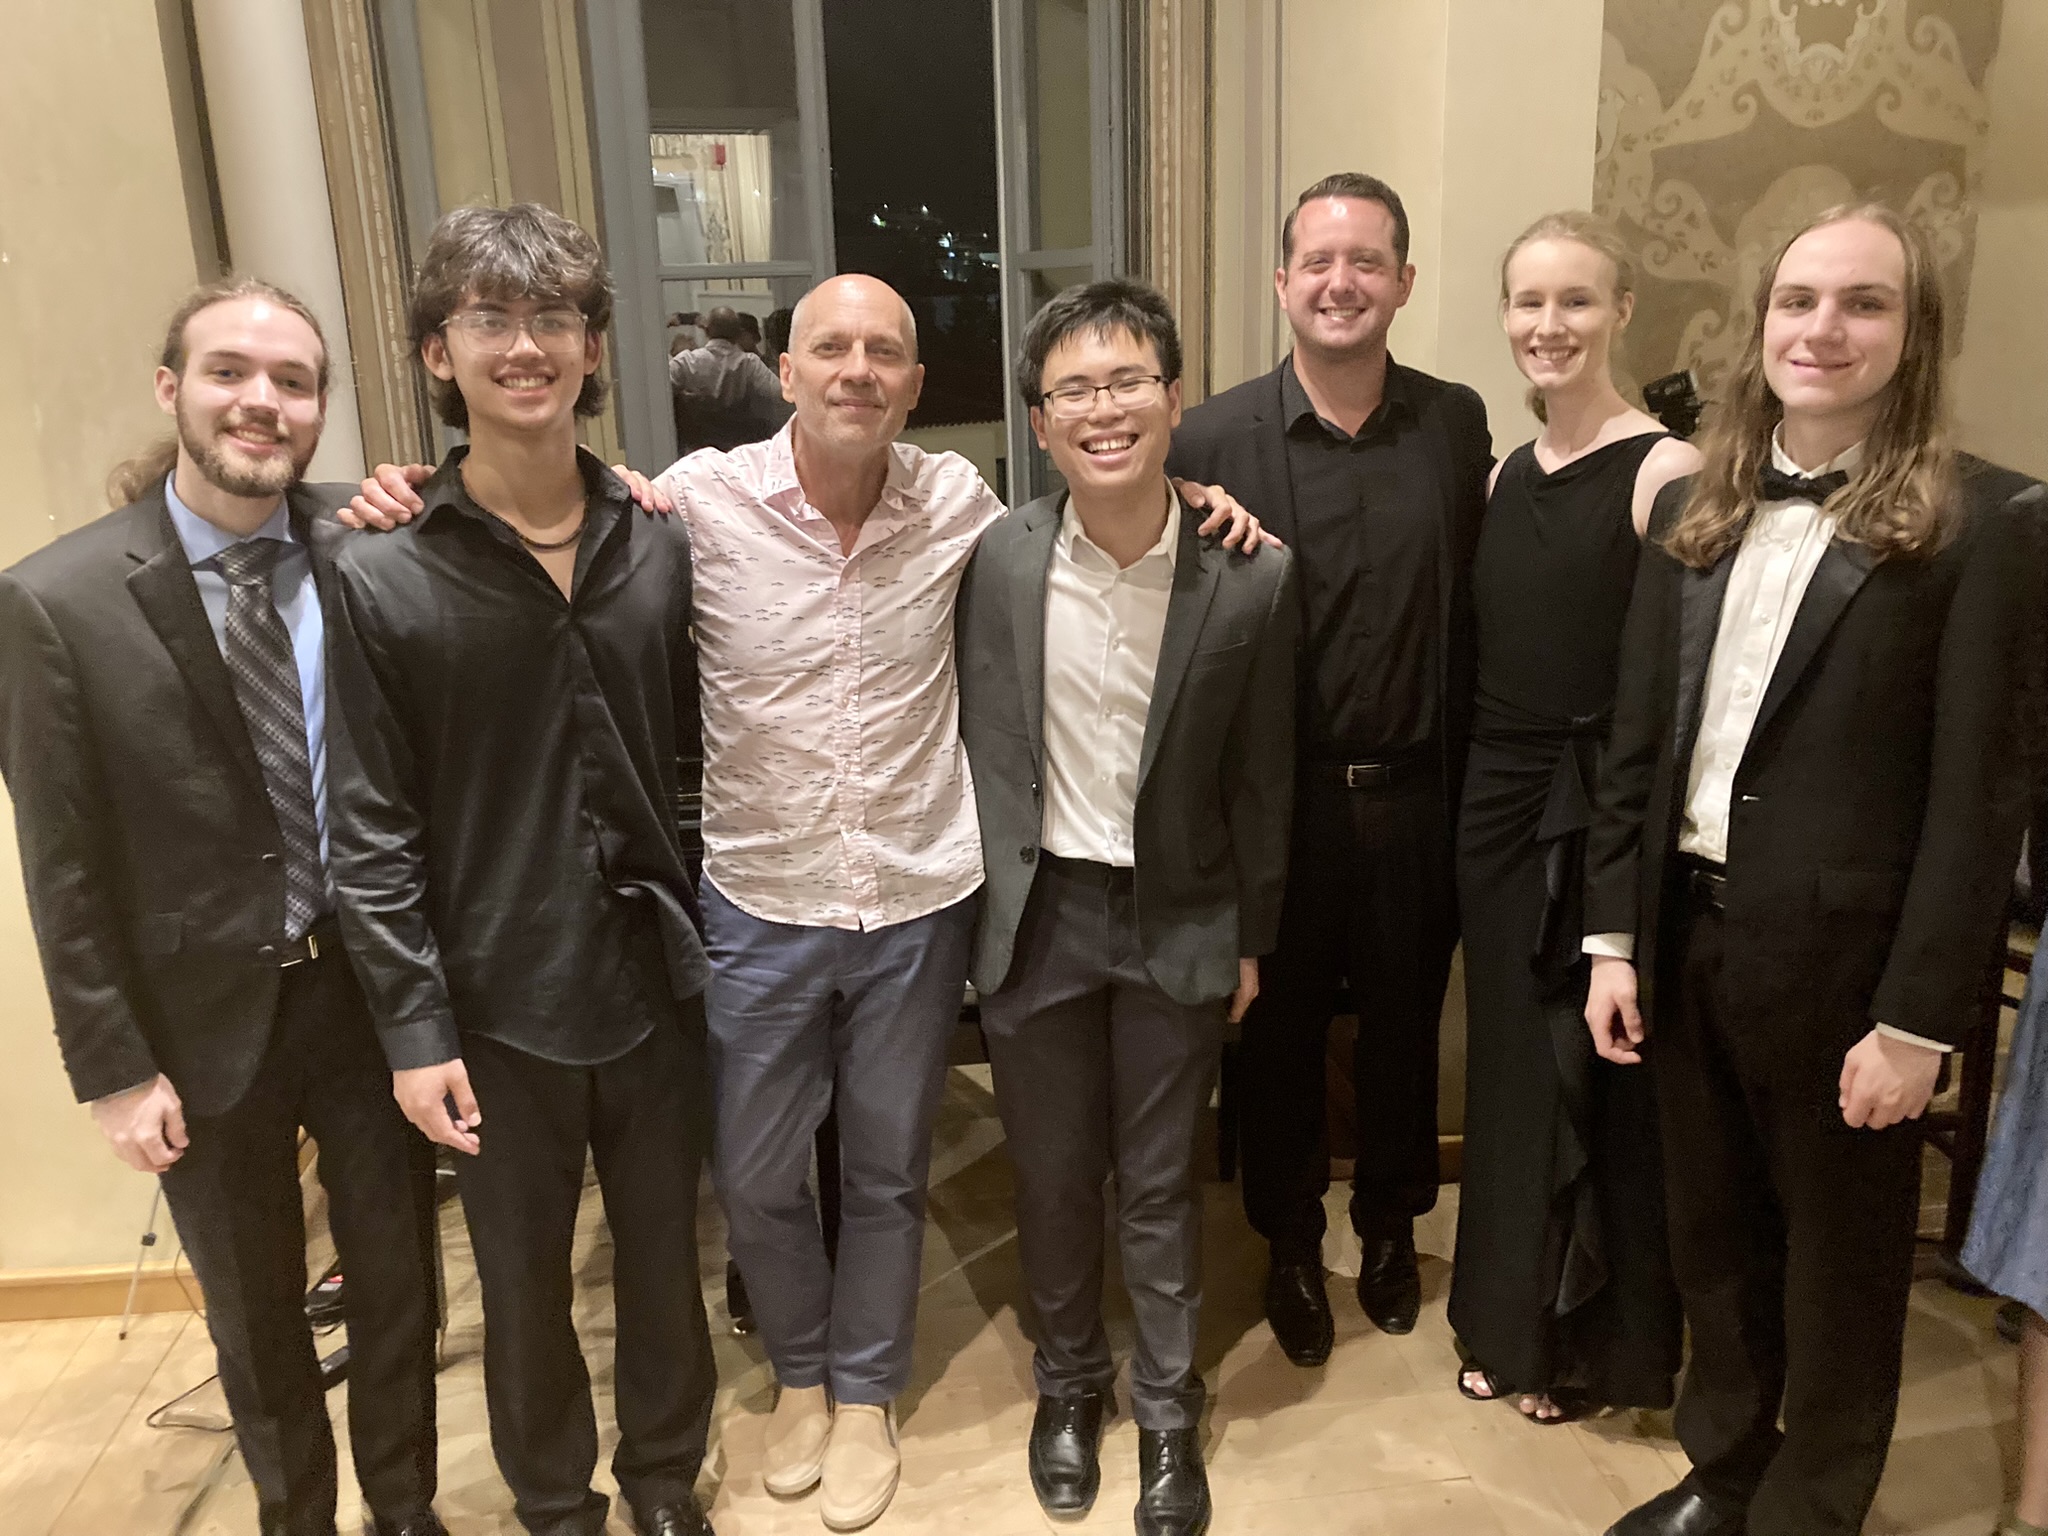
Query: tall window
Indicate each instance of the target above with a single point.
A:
(912, 90)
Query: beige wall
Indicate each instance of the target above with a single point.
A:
(1436, 98)
(95, 248)
(2002, 375)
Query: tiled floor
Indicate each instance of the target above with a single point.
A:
(1376, 1441)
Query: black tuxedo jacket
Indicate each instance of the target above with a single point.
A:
(1215, 771)
(1238, 440)
(153, 862)
(1877, 809)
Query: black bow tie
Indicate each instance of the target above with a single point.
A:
(1776, 485)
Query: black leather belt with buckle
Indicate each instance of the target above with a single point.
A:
(1706, 881)
(1378, 775)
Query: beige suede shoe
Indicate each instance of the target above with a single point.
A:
(793, 1451)
(861, 1465)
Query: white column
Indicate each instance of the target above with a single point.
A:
(273, 184)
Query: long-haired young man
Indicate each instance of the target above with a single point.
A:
(164, 719)
(1807, 822)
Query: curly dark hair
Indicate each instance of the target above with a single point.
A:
(508, 254)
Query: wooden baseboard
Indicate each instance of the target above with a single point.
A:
(93, 1290)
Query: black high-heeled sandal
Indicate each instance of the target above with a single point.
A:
(1492, 1394)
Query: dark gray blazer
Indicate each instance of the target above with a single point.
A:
(154, 866)
(1215, 774)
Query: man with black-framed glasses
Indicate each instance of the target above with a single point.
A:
(517, 679)
(1127, 703)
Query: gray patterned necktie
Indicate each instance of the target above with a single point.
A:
(266, 674)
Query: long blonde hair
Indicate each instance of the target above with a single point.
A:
(1595, 234)
(132, 478)
(1900, 501)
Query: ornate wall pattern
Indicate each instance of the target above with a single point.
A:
(1725, 124)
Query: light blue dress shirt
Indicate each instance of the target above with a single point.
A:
(297, 597)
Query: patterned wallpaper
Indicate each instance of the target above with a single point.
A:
(1725, 124)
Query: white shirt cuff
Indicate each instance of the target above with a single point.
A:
(1611, 946)
(1919, 1040)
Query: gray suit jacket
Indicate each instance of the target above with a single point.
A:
(1215, 775)
(154, 867)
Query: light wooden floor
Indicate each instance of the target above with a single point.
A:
(1376, 1441)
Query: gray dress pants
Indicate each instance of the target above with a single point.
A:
(1097, 1071)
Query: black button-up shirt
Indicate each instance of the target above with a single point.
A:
(1368, 515)
(506, 854)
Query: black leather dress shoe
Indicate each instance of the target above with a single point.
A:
(1173, 1485)
(1390, 1283)
(426, 1524)
(1680, 1511)
(1298, 1307)
(680, 1519)
(1066, 1441)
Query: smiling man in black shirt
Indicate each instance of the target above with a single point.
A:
(1375, 474)
(516, 680)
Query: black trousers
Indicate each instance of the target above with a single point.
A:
(1371, 904)
(235, 1198)
(643, 1120)
(1792, 1242)
(1097, 1071)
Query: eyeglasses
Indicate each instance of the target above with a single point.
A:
(1069, 402)
(492, 330)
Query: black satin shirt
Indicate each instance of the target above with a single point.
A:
(1368, 510)
(505, 848)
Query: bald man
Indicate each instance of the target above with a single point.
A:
(840, 856)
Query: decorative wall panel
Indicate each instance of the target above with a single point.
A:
(1724, 126)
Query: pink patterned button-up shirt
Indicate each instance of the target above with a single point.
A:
(836, 792)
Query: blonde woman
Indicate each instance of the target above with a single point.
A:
(1562, 1296)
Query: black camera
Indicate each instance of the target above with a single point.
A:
(1675, 401)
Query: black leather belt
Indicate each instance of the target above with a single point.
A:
(1705, 881)
(1376, 775)
(323, 936)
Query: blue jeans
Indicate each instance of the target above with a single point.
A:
(792, 1012)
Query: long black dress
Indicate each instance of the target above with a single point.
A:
(1562, 1279)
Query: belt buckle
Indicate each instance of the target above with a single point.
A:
(305, 947)
(1367, 775)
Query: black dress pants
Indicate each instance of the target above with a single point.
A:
(1097, 1071)
(1792, 1242)
(1371, 905)
(642, 1118)
(235, 1198)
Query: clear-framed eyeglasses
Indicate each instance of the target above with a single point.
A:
(492, 330)
(1070, 402)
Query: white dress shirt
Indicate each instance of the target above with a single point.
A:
(1103, 627)
(1781, 549)
(836, 791)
